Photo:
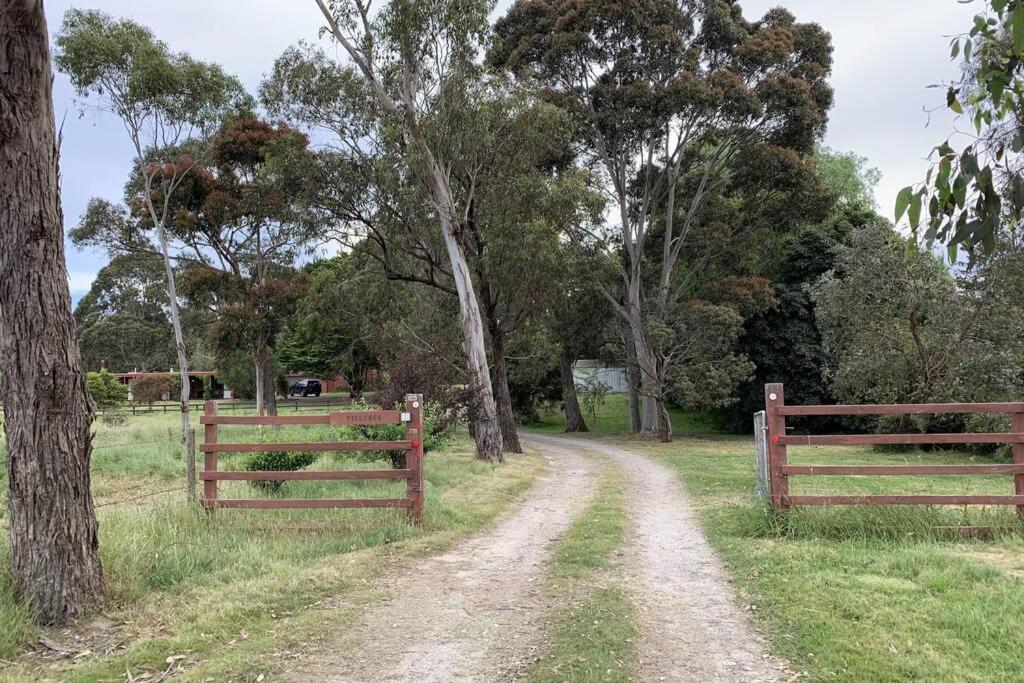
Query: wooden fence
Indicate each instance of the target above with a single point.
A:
(412, 473)
(779, 470)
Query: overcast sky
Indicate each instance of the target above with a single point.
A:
(886, 55)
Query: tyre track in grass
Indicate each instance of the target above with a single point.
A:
(691, 625)
(474, 613)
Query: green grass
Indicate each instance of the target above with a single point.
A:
(612, 417)
(592, 637)
(861, 594)
(230, 590)
(857, 594)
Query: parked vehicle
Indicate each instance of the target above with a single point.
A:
(305, 387)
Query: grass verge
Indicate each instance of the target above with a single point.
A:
(241, 592)
(593, 636)
(856, 594)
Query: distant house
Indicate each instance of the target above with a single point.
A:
(588, 371)
(195, 382)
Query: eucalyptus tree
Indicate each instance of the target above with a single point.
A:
(508, 161)
(55, 564)
(415, 60)
(901, 328)
(976, 185)
(669, 97)
(122, 320)
(236, 235)
(164, 99)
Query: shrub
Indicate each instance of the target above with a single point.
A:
(106, 390)
(150, 389)
(430, 376)
(438, 432)
(276, 461)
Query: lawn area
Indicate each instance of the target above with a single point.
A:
(234, 594)
(859, 594)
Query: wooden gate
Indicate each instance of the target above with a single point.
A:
(412, 417)
(780, 470)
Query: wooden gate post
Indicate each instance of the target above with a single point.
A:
(773, 400)
(414, 456)
(1017, 427)
(210, 459)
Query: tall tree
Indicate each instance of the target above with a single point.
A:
(241, 236)
(415, 60)
(670, 97)
(164, 99)
(122, 320)
(55, 564)
(900, 328)
(509, 162)
(342, 319)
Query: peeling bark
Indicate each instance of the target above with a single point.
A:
(55, 564)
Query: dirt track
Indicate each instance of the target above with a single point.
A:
(474, 613)
(691, 627)
(484, 615)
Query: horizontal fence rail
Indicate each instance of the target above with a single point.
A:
(779, 469)
(412, 473)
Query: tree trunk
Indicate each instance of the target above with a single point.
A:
(573, 415)
(486, 432)
(55, 564)
(643, 355)
(633, 381)
(269, 386)
(664, 423)
(258, 372)
(503, 398)
(179, 337)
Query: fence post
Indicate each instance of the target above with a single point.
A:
(414, 457)
(762, 490)
(190, 464)
(774, 398)
(210, 458)
(1017, 426)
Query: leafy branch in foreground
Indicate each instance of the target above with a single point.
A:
(970, 192)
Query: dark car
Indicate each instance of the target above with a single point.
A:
(305, 387)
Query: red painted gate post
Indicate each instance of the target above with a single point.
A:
(1017, 426)
(210, 434)
(776, 422)
(414, 457)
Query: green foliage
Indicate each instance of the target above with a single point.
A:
(276, 461)
(899, 328)
(341, 324)
(122, 66)
(122, 321)
(592, 394)
(848, 175)
(235, 371)
(971, 193)
(106, 390)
